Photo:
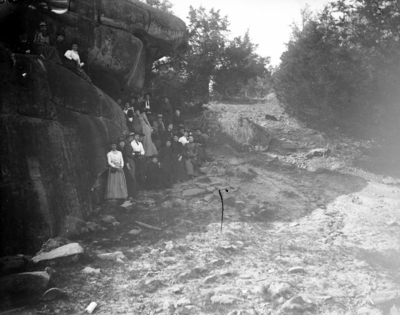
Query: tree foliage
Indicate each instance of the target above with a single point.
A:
(342, 66)
(163, 5)
(208, 61)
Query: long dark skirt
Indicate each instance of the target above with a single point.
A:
(167, 171)
(130, 182)
(116, 185)
(179, 170)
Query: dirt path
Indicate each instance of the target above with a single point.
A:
(315, 239)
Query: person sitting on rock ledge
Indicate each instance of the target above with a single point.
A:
(191, 159)
(42, 45)
(73, 55)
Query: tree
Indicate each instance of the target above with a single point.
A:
(163, 5)
(340, 66)
(239, 64)
(207, 41)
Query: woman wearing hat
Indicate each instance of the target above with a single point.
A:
(129, 167)
(178, 162)
(116, 183)
(42, 45)
(149, 147)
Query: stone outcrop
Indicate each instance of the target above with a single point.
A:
(117, 38)
(55, 136)
(56, 127)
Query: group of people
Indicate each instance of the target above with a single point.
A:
(47, 50)
(157, 152)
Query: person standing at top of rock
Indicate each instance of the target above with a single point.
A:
(147, 102)
(74, 56)
(42, 45)
(160, 127)
(116, 183)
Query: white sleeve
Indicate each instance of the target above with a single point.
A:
(141, 149)
(109, 160)
(68, 54)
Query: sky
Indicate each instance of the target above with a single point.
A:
(268, 20)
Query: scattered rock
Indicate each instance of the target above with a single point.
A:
(166, 204)
(72, 227)
(115, 224)
(297, 269)
(210, 279)
(193, 192)
(318, 152)
(68, 250)
(390, 181)
(91, 226)
(182, 302)
(90, 270)
(108, 219)
(134, 232)
(296, 306)
(236, 161)
(13, 264)
(116, 256)
(222, 299)
(279, 289)
(54, 294)
(169, 246)
(127, 204)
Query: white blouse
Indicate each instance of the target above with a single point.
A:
(183, 140)
(72, 55)
(115, 159)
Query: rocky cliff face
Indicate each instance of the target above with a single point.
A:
(117, 38)
(56, 127)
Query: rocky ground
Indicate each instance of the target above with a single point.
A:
(301, 234)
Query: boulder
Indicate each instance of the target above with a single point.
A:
(53, 243)
(318, 152)
(22, 287)
(56, 130)
(60, 252)
(297, 306)
(116, 38)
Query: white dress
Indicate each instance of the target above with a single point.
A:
(116, 183)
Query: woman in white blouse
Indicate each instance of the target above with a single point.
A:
(116, 184)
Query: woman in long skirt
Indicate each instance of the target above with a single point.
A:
(116, 183)
(178, 162)
(148, 145)
(166, 156)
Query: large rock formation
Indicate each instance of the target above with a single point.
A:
(56, 127)
(117, 38)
